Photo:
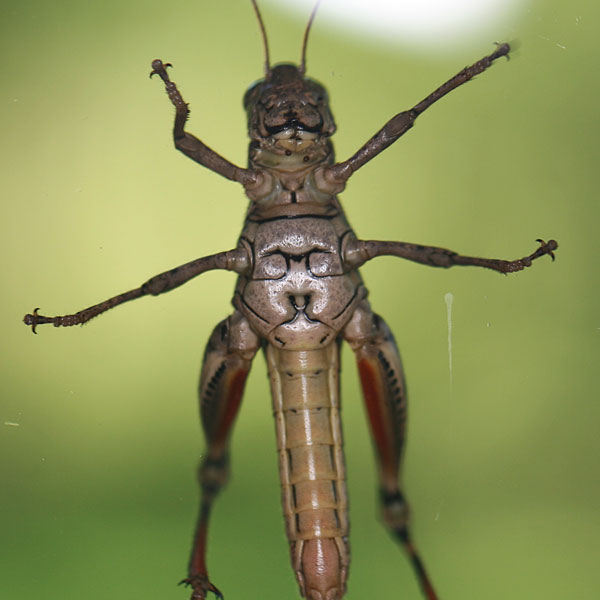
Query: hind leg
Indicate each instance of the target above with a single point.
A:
(384, 392)
(226, 364)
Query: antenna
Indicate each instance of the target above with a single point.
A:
(305, 40)
(264, 37)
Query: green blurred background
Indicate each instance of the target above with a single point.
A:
(99, 429)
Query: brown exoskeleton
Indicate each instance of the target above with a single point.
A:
(298, 296)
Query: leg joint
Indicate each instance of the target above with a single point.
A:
(213, 473)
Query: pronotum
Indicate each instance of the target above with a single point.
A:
(298, 296)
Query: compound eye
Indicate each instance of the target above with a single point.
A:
(251, 94)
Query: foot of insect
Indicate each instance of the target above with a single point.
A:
(159, 68)
(34, 319)
(200, 586)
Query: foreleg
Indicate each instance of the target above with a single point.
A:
(227, 360)
(384, 392)
(336, 175)
(190, 145)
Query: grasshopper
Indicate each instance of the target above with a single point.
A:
(298, 295)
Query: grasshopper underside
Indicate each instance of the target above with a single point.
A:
(299, 294)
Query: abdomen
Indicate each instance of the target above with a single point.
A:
(305, 390)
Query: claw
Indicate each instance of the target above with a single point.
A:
(35, 319)
(547, 248)
(200, 586)
(159, 68)
(502, 49)
(32, 320)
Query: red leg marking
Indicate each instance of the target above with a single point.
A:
(374, 394)
(231, 401)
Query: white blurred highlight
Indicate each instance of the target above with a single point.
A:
(424, 24)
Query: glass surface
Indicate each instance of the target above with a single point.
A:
(99, 430)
